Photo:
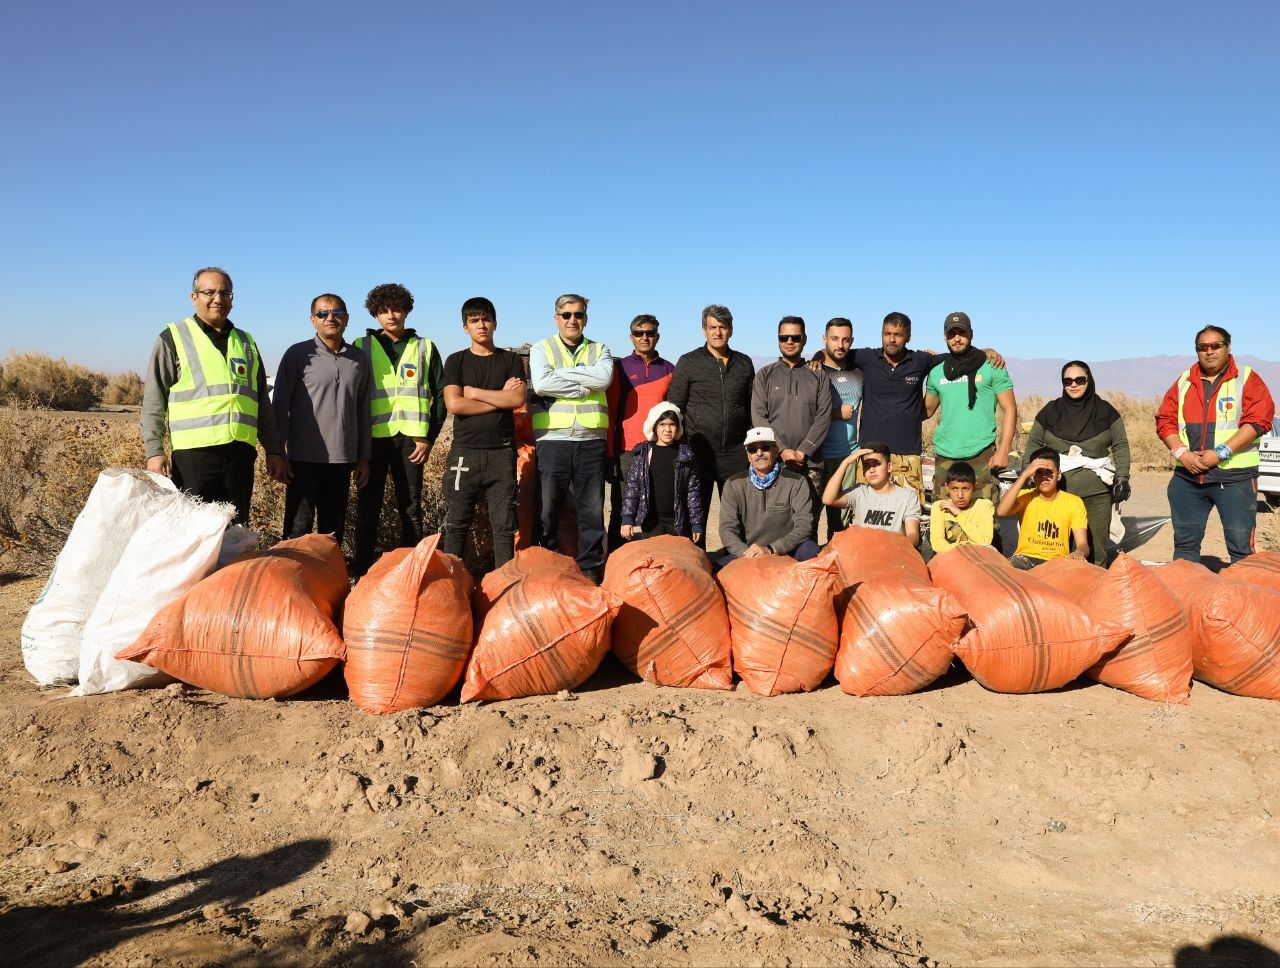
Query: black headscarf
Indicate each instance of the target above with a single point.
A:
(967, 364)
(1078, 420)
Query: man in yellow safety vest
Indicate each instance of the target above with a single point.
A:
(407, 412)
(570, 416)
(206, 392)
(1211, 419)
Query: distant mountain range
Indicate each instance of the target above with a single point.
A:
(1145, 376)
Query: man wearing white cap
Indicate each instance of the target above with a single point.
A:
(767, 509)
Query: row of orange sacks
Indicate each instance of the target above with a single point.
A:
(867, 608)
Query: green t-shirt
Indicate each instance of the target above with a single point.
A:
(963, 432)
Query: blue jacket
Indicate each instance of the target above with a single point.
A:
(690, 515)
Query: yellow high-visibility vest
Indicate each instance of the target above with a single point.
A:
(401, 396)
(215, 400)
(1226, 418)
(591, 411)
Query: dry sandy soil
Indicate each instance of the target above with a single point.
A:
(632, 824)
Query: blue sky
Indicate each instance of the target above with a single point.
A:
(1083, 178)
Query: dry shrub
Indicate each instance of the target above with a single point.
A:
(34, 380)
(1146, 451)
(49, 479)
(1268, 536)
(123, 390)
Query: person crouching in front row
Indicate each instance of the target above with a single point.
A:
(1048, 518)
(663, 491)
(879, 503)
(767, 509)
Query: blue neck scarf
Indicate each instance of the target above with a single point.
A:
(763, 483)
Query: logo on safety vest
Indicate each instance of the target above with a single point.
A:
(1226, 406)
(239, 371)
(408, 372)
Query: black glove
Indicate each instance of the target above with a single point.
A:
(1121, 491)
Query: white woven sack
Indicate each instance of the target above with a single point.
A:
(164, 559)
(121, 501)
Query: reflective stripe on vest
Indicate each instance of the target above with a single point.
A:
(1226, 418)
(215, 400)
(591, 411)
(400, 399)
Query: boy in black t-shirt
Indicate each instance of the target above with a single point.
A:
(482, 386)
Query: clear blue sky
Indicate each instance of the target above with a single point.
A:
(1092, 179)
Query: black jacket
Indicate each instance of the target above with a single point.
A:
(715, 399)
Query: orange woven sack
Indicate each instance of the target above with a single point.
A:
(548, 632)
(260, 628)
(862, 553)
(407, 627)
(1235, 629)
(1027, 635)
(898, 635)
(783, 621)
(1074, 577)
(1262, 569)
(499, 581)
(673, 628)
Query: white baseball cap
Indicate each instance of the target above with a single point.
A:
(760, 434)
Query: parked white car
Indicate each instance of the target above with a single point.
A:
(1269, 468)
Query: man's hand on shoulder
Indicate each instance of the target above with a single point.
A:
(994, 358)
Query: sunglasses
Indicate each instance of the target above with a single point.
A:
(645, 333)
(1074, 381)
(335, 313)
(1210, 347)
(789, 338)
(568, 316)
(757, 448)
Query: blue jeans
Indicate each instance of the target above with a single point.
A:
(1190, 503)
(574, 467)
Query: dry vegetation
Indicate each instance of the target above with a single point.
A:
(36, 381)
(1147, 452)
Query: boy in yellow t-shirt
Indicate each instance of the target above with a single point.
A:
(1048, 518)
(960, 519)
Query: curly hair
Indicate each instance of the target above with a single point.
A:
(389, 295)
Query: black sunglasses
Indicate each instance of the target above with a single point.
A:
(568, 316)
(1074, 381)
(645, 333)
(326, 313)
(756, 448)
(789, 338)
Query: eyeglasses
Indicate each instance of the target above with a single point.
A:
(1074, 381)
(210, 293)
(568, 316)
(645, 333)
(789, 338)
(335, 313)
(757, 448)
(1210, 347)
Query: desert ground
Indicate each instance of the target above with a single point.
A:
(632, 824)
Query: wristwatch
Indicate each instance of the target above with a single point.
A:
(1223, 452)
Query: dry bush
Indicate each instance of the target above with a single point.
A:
(49, 478)
(1268, 536)
(34, 380)
(123, 390)
(1146, 451)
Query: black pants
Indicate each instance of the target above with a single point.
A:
(223, 473)
(714, 468)
(617, 486)
(316, 497)
(574, 467)
(471, 473)
(388, 454)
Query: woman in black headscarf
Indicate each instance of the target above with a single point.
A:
(1089, 435)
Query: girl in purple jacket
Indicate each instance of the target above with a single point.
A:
(663, 493)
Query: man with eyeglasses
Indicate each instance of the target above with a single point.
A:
(206, 391)
(796, 402)
(570, 417)
(406, 415)
(712, 387)
(766, 509)
(970, 392)
(1211, 419)
(640, 380)
(321, 405)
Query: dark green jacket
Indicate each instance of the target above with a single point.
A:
(1083, 482)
